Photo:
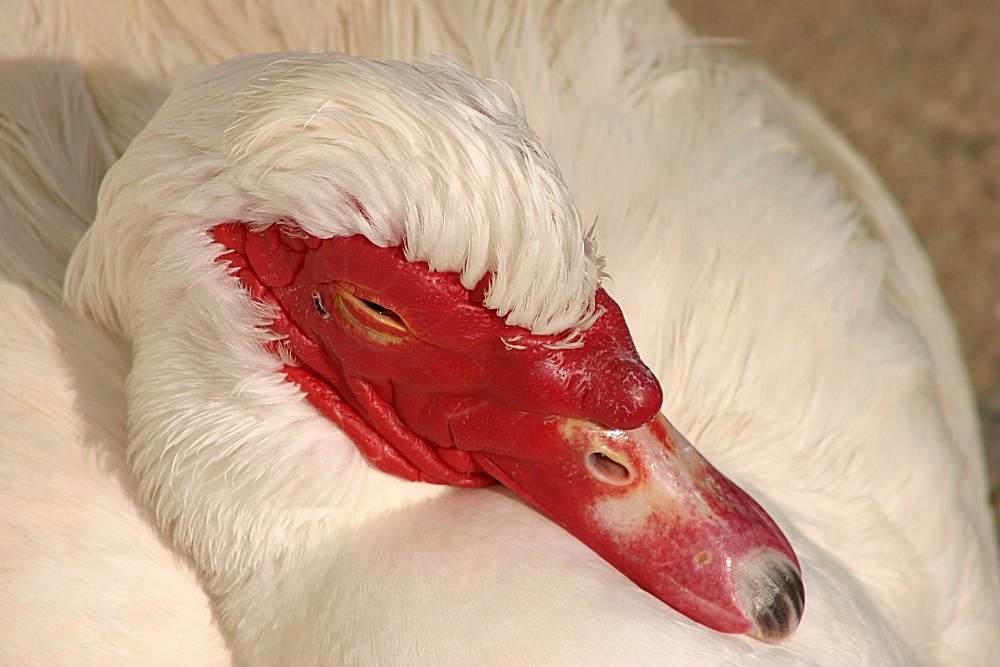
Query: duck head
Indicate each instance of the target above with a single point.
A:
(431, 290)
(434, 386)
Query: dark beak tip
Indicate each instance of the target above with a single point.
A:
(772, 595)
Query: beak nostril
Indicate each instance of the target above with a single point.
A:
(607, 470)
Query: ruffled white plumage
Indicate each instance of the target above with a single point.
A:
(765, 301)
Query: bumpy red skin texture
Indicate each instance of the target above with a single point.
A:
(447, 398)
(454, 357)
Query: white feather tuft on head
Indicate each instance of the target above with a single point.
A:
(420, 155)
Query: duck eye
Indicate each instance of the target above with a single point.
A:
(382, 311)
(366, 316)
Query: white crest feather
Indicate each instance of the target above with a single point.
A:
(420, 155)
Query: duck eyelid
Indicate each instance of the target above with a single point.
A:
(386, 316)
(382, 311)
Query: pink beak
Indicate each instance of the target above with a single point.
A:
(654, 508)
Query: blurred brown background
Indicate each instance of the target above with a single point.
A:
(915, 86)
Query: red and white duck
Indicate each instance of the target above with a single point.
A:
(329, 281)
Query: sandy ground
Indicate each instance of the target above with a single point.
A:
(915, 86)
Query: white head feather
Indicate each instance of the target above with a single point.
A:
(420, 155)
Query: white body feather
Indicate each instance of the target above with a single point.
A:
(801, 342)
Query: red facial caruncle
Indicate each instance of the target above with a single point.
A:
(434, 386)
